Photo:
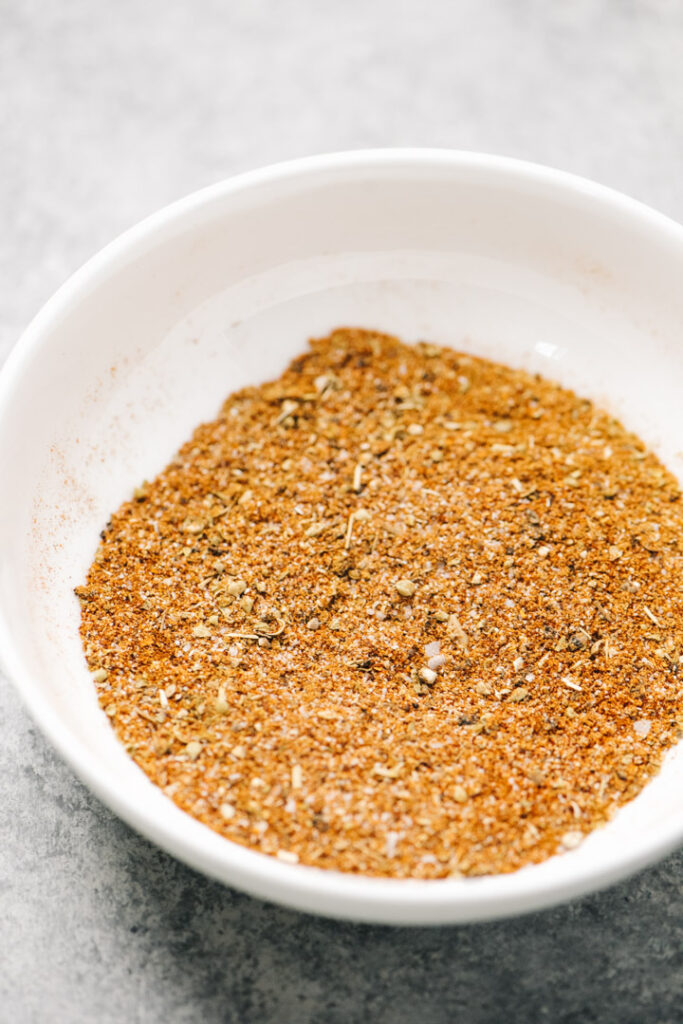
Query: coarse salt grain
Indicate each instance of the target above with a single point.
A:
(287, 856)
(391, 843)
(570, 840)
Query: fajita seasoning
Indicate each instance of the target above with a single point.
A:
(400, 612)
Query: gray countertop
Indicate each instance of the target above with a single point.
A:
(108, 112)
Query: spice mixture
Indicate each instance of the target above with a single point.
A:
(401, 612)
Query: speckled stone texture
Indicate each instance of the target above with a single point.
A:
(108, 112)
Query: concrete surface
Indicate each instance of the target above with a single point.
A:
(110, 111)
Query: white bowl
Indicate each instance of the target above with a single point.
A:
(512, 261)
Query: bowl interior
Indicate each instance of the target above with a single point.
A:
(496, 258)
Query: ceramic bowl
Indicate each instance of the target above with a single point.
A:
(509, 260)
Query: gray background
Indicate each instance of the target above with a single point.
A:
(108, 112)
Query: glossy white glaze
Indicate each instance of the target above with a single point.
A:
(501, 258)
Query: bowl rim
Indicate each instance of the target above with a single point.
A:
(305, 888)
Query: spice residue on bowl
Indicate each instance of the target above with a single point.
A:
(400, 612)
